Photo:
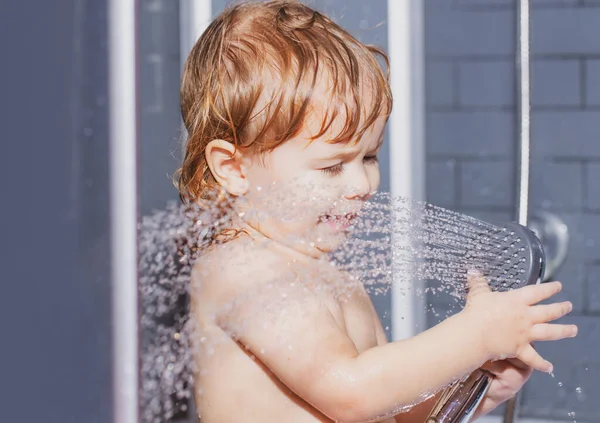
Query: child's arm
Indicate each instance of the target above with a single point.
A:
(290, 330)
(419, 412)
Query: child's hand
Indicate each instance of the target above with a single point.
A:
(510, 321)
(509, 376)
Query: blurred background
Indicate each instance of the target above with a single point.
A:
(462, 108)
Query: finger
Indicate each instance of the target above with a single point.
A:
(533, 294)
(549, 312)
(551, 332)
(495, 367)
(532, 358)
(518, 364)
(499, 367)
(476, 283)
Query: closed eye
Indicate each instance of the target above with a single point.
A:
(334, 170)
(338, 169)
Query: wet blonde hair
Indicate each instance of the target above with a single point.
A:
(250, 79)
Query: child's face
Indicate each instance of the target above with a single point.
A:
(307, 193)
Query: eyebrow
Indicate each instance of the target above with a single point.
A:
(354, 151)
(343, 154)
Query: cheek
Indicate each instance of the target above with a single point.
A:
(374, 177)
(291, 193)
(292, 200)
(310, 189)
(260, 176)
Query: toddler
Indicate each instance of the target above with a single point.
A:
(285, 113)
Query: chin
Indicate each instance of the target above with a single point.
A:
(306, 237)
(330, 242)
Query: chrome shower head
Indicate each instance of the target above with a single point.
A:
(522, 260)
(554, 235)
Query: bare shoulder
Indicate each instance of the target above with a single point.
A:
(238, 268)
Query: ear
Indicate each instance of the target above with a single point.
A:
(226, 165)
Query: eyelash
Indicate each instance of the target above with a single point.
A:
(338, 169)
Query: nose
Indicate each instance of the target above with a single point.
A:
(359, 186)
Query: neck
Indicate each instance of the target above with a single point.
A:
(295, 249)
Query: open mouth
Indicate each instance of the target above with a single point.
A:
(339, 220)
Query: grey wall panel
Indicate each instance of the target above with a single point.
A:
(55, 305)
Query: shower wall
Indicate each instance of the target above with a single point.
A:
(471, 155)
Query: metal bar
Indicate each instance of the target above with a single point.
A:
(194, 17)
(523, 112)
(523, 142)
(406, 131)
(123, 120)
